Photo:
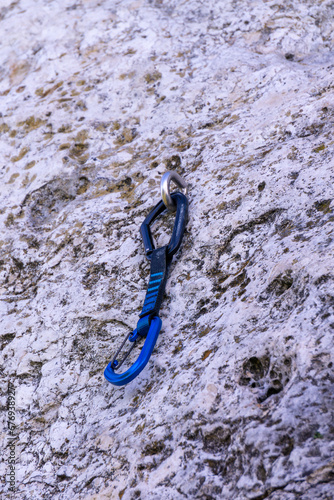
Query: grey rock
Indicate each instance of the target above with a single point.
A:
(99, 100)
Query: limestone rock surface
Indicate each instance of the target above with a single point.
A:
(98, 99)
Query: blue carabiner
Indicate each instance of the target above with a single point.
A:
(141, 361)
(149, 324)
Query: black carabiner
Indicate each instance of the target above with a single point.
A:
(178, 229)
(149, 323)
(160, 258)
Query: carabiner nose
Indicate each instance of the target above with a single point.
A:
(141, 361)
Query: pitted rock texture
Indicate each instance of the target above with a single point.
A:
(99, 99)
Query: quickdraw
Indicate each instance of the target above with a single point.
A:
(149, 324)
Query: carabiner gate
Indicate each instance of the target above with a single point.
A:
(149, 324)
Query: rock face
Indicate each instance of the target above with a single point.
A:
(99, 99)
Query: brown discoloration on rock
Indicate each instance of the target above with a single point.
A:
(20, 155)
